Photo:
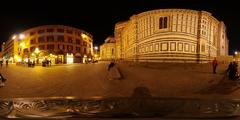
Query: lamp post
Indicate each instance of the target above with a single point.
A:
(96, 53)
(96, 48)
(37, 52)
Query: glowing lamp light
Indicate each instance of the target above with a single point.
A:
(84, 36)
(37, 50)
(21, 36)
(69, 58)
(19, 60)
(14, 37)
(26, 60)
(96, 48)
(235, 52)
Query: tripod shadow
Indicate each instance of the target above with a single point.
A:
(224, 86)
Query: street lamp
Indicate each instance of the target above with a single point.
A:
(83, 35)
(21, 36)
(14, 37)
(37, 54)
(235, 52)
(96, 47)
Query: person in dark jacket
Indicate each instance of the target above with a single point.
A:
(111, 65)
(6, 63)
(233, 71)
(214, 64)
(229, 67)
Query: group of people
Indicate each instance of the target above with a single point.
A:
(46, 63)
(231, 72)
(31, 63)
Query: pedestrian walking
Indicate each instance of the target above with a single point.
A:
(111, 65)
(214, 65)
(2, 80)
(232, 71)
(6, 63)
(50, 62)
(47, 63)
(229, 67)
(1, 62)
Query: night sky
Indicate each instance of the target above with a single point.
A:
(98, 17)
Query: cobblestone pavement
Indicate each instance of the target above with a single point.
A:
(91, 80)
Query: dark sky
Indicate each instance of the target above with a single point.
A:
(98, 17)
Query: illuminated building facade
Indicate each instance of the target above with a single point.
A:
(107, 50)
(171, 35)
(60, 44)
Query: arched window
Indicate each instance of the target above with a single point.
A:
(112, 51)
(163, 22)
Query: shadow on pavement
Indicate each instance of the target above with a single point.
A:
(224, 86)
(141, 92)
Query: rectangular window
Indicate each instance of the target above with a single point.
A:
(60, 30)
(69, 31)
(61, 47)
(112, 51)
(84, 43)
(69, 39)
(50, 47)
(60, 38)
(77, 41)
(163, 22)
(156, 47)
(164, 46)
(25, 50)
(50, 30)
(32, 33)
(32, 41)
(50, 38)
(85, 51)
(180, 46)
(32, 49)
(186, 47)
(172, 46)
(78, 49)
(203, 48)
(41, 39)
(160, 23)
(69, 47)
(193, 48)
(40, 31)
(41, 47)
